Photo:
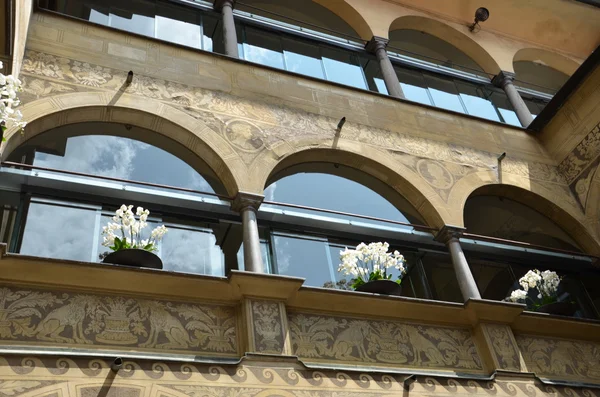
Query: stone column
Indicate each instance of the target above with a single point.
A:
(377, 46)
(504, 80)
(247, 205)
(225, 7)
(450, 236)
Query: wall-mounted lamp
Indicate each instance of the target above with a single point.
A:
(129, 77)
(341, 123)
(481, 15)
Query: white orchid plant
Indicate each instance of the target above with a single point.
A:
(125, 231)
(370, 263)
(539, 288)
(9, 117)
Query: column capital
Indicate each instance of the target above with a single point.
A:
(449, 232)
(376, 43)
(218, 4)
(503, 78)
(245, 200)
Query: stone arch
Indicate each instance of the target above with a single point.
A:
(531, 194)
(376, 163)
(548, 58)
(349, 14)
(452, 36)
(314, 15)
(191, 134)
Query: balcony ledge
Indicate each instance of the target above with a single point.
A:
(22, 270)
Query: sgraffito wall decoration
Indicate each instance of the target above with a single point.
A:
(268, 323)
(579, 166)
(386, 343)
(255, 377)
(561, 359)
(35, 317)
(504, 348)
(257, 131)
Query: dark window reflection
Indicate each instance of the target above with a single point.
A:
(441, 277)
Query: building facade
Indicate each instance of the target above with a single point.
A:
(268, 135)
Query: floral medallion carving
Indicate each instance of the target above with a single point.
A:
(85, 320)
(373, 342)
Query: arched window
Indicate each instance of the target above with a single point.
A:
(432, 49)
(538, 76)
(461, 84)
(498, 269)
(504, 218)
(77, 181)
(303, 13)
(305, 236)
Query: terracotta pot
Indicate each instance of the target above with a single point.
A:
(383, 287)
(134, 257)
(558, 308)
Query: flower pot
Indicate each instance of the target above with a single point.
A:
(558, 308)
(383, 287)
(134, 257)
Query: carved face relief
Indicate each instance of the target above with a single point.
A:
(244, 135)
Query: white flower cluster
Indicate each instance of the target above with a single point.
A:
(365, 259)
(9, 117)
(546, 283)
(126, 228)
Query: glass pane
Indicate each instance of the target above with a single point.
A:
(494, 280)
(441, 277)
(121, 158)
(263, 47)
(343, 67)
(476, 100)
(59, 232)
(333, 193)
(373, 74)
(191, 251)
(178, 25)
(413, 85)
(444, 93)
(212, 34)
(500, 101)
(98, 15)
(303, 57)
(303, 257)
(264, 251)
(132, 20)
